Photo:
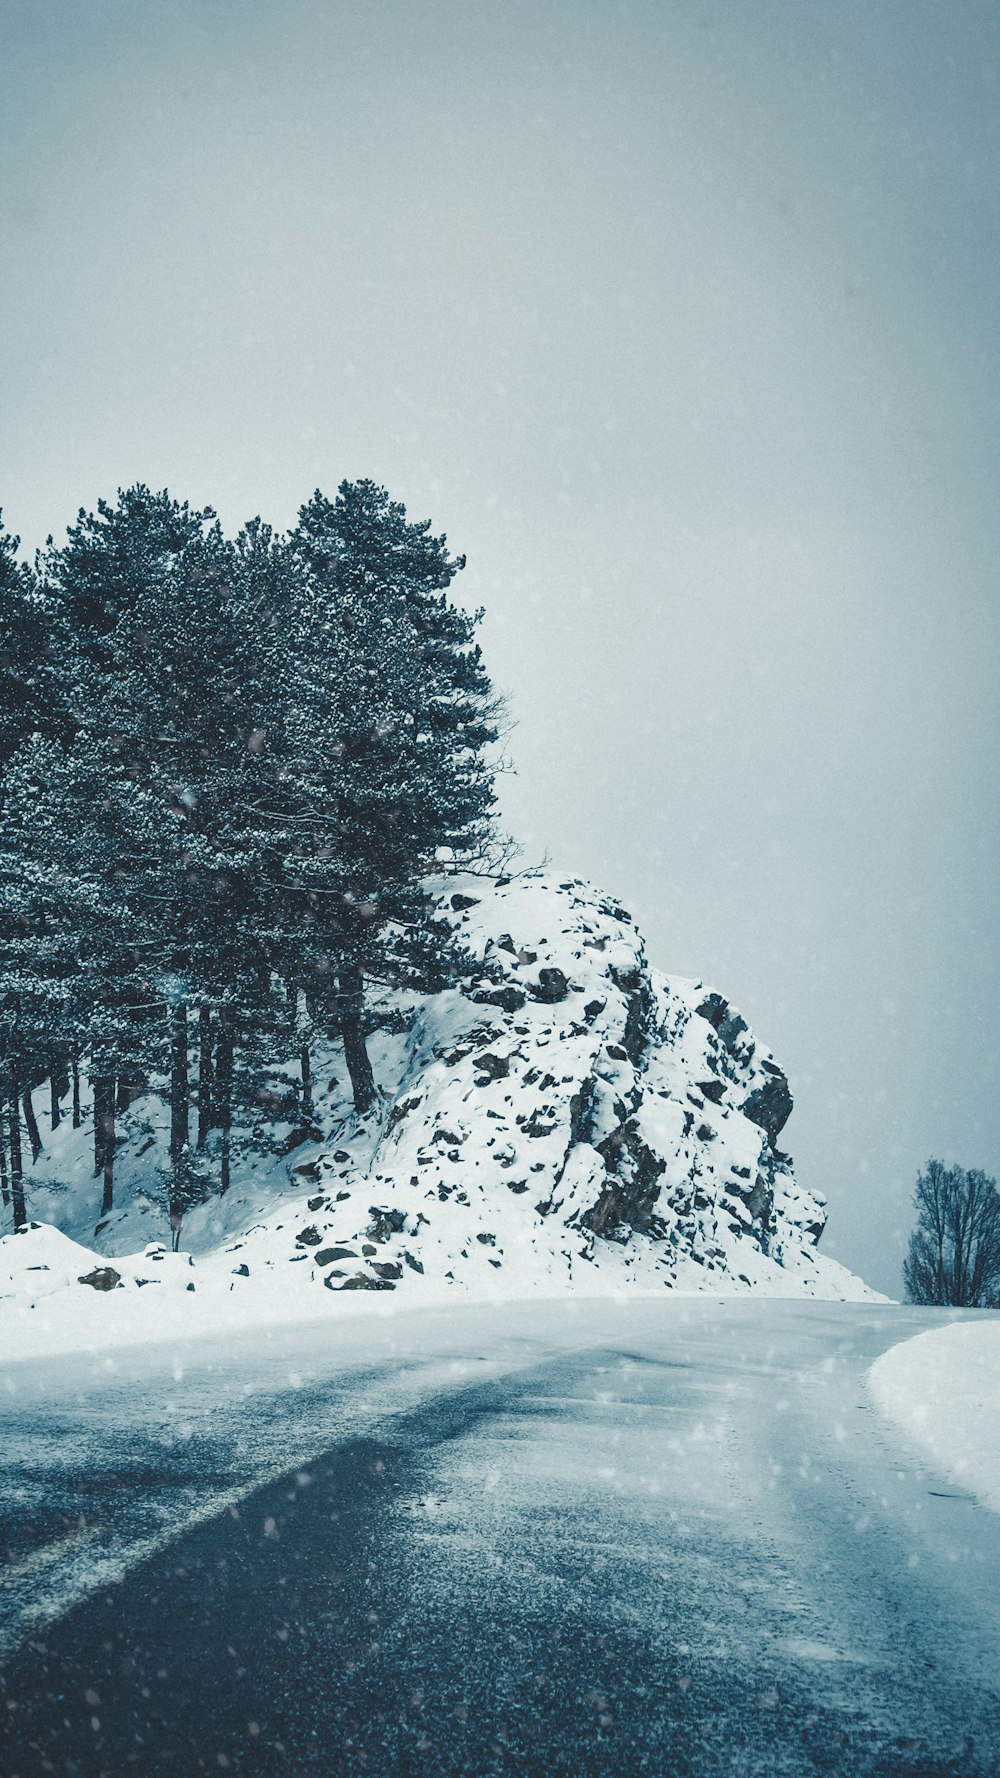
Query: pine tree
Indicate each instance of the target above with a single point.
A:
(146, 585)
(387, 671)
(364, 553)
(34, 644)
(79, 961)
(240, 827)
(227, 771)
(112, 557)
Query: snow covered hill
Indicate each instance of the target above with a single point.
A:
(572, 1119)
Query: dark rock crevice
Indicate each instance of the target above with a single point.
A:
(770, 1106)
(640, 1017)
(633, 1187)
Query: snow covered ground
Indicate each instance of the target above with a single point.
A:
(941, 1390)
(571, 1121)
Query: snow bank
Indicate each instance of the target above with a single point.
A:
(51, 1303)
(942, 1391)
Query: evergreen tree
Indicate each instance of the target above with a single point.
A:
(386, 670)
(379, 568)
(82, 842)
(34, 645)
(112, 557)
(34, 672)
(229, 769)
(146, 584)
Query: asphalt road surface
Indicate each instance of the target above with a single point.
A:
(673, 1540)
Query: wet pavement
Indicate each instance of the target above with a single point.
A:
(676, 1541)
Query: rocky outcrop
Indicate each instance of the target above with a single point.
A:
(571, 1114)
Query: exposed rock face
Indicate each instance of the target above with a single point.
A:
(571, 1113)
(770, 1106)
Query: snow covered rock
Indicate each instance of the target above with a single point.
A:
(572, 1118)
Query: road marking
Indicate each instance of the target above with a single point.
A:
(36, 1561)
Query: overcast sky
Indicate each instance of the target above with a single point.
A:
(680, 317)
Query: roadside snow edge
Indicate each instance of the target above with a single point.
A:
(941, 1389)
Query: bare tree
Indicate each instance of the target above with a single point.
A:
(954, 1253)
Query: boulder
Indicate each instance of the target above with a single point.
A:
(510, 999)
(385, 1222)
(295, 1138)
(102, 1278)
(553, 986)
(491, 1067)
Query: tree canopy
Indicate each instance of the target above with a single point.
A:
(228, 766)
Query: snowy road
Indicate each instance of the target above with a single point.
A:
(668, 1538)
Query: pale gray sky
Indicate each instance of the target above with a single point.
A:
(680, 318)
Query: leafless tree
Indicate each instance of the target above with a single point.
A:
(954, 1254)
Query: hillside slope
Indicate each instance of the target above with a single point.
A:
(572, 1119)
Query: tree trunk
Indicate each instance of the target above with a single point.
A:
(16, 1159)
(224, 1093)
(104, 1106)
(4, 1188)
(77, 1114)
(206, 1079)
(180, 1094)
(57, 1076)
(307, 1081)
(352, 1001)
(225, 1156)
(179, 1089)
(110, 1138)
(31, 1123)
